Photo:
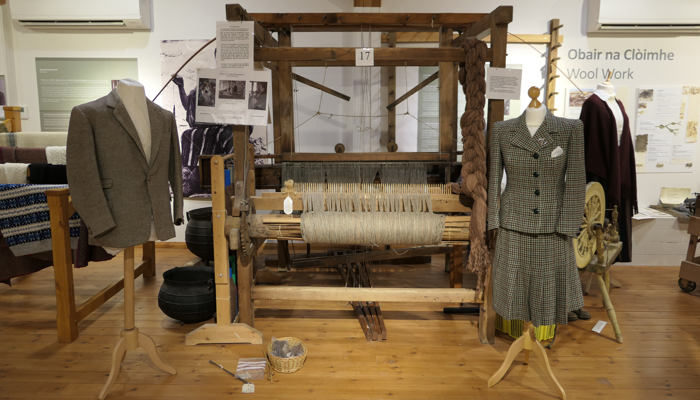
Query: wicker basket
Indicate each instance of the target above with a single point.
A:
(287, 365)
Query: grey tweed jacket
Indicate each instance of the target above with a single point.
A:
(543, 194)
(113, 187)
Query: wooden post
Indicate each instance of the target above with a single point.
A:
(456, 279)
(496, 110)
(552, 57)
(67, 322)
(129, 310)
(224, 331)
(285, 100)
(14, 113)
(245, 267)
(221, 262)
(446, 71)
(391, 72)
(149, 256)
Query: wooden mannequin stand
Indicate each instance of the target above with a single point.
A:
(131, 338)
(525, 342)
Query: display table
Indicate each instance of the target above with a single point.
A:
(658, 241)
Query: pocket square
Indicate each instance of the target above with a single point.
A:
(557, 152)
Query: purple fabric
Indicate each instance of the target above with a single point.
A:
(30, 155)
(7, 155)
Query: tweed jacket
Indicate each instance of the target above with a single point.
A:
(115, 190)
(543, 194)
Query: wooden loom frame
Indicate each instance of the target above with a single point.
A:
(269, 50)
(69, 315)
(13, 120)
(553, 41)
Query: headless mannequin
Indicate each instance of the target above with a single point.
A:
(606, 92)
(534, 117)
(133, 95)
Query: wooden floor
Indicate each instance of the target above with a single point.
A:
(428, 355)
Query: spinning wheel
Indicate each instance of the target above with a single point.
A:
(594, 213)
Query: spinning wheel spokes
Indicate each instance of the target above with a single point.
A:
(594, 212)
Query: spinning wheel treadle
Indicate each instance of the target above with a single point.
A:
(594, 213)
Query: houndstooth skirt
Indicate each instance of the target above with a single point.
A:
(535, 277)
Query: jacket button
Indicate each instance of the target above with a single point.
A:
(536, 174)
(535, 211)
(149, 179)
(537, 192)
(535, 156)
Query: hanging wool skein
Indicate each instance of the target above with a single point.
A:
(474, 182)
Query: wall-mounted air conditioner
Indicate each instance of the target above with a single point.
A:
(643, 16)
(81, 14)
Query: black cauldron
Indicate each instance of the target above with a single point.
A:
(188, 294)
(199, 234)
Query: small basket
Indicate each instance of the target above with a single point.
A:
(287, 365)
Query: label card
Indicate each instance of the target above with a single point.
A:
(503, 83)
(248, 388)
(599, 326)
(364, 57)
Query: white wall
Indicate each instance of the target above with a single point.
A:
(180, 19)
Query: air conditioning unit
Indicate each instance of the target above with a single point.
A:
(82, 14)
(644, 16)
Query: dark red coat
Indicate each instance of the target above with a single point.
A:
(604, 158)
(611, 164)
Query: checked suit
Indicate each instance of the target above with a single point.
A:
(534, 271)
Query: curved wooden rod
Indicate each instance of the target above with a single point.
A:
(181, 67)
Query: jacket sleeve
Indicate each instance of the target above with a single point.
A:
(574, 195)
(175, 173)
(495, 177)
(84, 177)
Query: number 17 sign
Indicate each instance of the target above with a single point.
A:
(364, 57)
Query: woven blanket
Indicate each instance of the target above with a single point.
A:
(33, 139)
(24, 219)
(56, 155)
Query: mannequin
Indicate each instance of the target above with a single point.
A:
(535, 278)
(610, 157)
(133, 95)
(123, 162)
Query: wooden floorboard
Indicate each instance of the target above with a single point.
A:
(428, 354)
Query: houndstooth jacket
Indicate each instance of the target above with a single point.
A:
(543, 194)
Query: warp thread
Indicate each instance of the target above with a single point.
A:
(316, 172)
(366, 202)
(474, 182)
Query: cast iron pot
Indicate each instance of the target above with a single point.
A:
(188, 294)
(199, 234)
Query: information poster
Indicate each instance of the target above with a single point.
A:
(234, 41)
(575, 99)
(232, 97)
(429, 106)
(64, 83)
(666, 131)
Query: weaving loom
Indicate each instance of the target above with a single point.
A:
(336, 193)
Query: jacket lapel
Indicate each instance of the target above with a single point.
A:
(157, 126)
(521, 135)
(542, 136)
(122, 116)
